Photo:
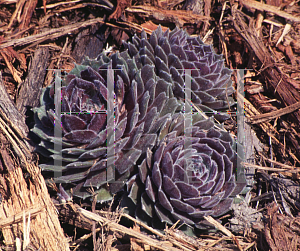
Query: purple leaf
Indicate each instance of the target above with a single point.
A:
(187, 191)
(163, 200)
(170, 188)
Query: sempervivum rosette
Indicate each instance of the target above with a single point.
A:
(89, 138)
(171, 53)
(190, 174)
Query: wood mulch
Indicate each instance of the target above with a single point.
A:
(261, 38)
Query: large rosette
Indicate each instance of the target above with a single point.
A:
(89, 138)
(174, 52)
(190, 174)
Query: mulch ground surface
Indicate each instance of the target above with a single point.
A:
(259, 39)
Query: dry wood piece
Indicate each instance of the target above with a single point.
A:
(30, 90)
(27, 13)
(48, 35)
(14, 72)
(24, 194)
(271, 115)
(179, 17)
(282, 232)
(223, 229)
(218, 225)
(296, 170)
(269, 8)
(121, 5)
(68, 215)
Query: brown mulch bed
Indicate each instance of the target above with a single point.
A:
(262, 39)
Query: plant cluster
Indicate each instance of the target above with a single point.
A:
(125, 125)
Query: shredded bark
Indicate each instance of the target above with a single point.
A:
(26, 210)
(37, 37)
(121, 6)
(281, 232)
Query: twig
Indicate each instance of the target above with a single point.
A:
(269, 8)
(179, 16)
(218, 225)
(54, 5)
(271, 115)
(286, 30)
(52, 33)
(84, 237)
(214, 243)
(135, 26)
(249, 246)
(166, 246)
(223, 229)
(14, 72)
(273, 169)
(144, 225)
(277, 163)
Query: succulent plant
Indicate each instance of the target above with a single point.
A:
(190, 174)
(117, 110)
(90, 139)
(172, 53)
